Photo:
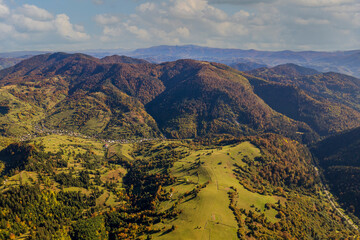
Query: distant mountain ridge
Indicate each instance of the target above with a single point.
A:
(288, 70)
(346, 62)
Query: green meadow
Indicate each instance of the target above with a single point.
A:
(207, 216)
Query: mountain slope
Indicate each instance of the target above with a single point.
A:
(216, 99)
(289, 70)
(122, 59)
(80, 93)
(339, 156)
(8, 62)
(246, 66)
(107, 97)
(220, 185)
(66, 187)
(328, 102)
(120, 97)
(332, 86)
(324, 116)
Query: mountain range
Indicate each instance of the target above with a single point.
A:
(121, 97)
(123, 148)
(346, 62)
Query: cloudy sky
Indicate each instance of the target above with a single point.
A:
(247, 24)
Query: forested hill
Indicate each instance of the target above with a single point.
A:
(328, 102)
(339, 156)
(83, 153)
(332, 86)
(120, 97)
(117, 100)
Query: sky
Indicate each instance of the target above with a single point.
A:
(70, 25)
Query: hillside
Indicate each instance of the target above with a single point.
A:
(339, 156)
(289, 70)
(80, 93)
(329, 102)
(324, 116)
(83, 153)
(9, 62)
(75, 188)
(215, 99)
(113, 99)
(246, 66)
(120, 97)
(122, 59)
(332, 86)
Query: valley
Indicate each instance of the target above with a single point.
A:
(120, 148)
(180, 120)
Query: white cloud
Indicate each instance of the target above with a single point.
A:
(183, 31)
(112, 32)
(67, 30)
(172, 22)
(261, 24)
(30, 25)
(35, 13)
(5, 29)
(188, 8)
(240, 2)
(26, 24)
(148, 6)
(106, 19)
(309, 21)
(345, 16)
(241, 15)
(322, 3)
(4, 10)
(309, 3)
(140, 33)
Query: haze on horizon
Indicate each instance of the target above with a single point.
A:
(71, 25)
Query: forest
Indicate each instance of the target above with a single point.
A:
(140, 190)
(121, 148)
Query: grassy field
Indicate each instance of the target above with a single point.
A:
(71, 146)
(204, 177)
(205, 216)
(24, 177)
(54, 143)
(20, 117)
(122, 150)
(208, 216)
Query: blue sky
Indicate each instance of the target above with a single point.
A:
(64, 25)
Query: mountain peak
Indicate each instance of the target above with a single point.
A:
(291, 69)
(122, 59)
(58, 56)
